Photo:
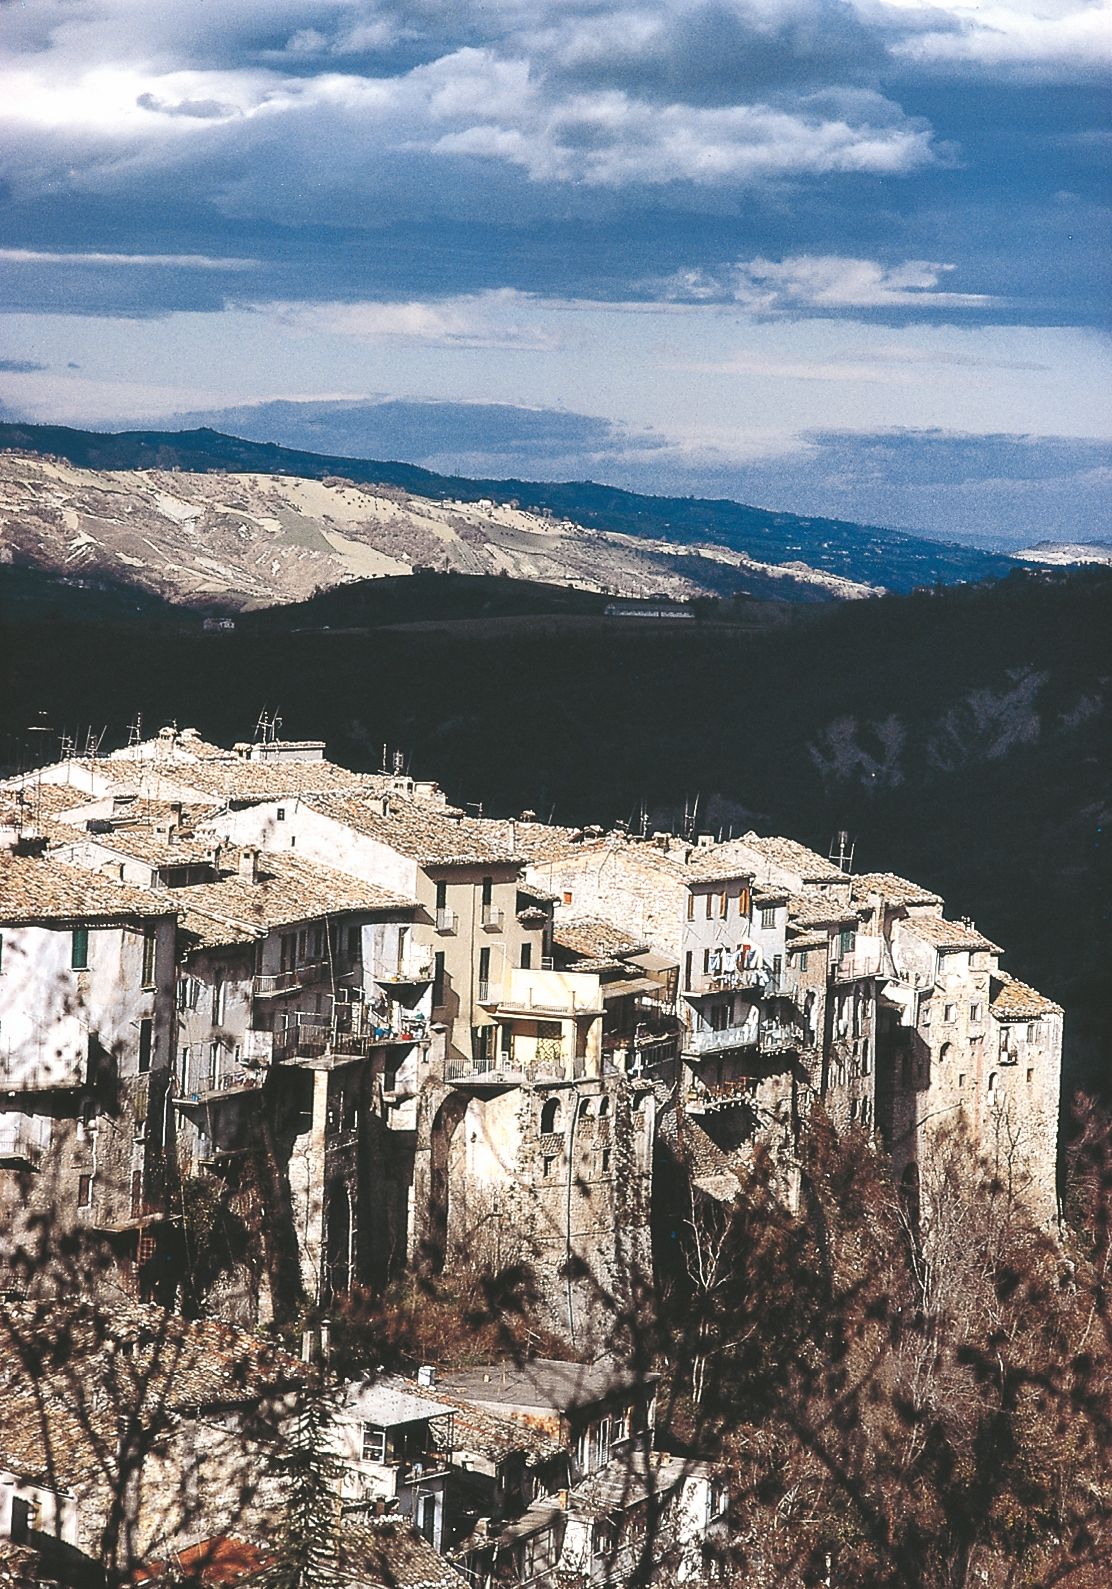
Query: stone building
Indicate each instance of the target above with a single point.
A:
(961, 1043)
(87, 976)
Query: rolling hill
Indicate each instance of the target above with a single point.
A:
(651, 545)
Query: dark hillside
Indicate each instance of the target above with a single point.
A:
(963, 737)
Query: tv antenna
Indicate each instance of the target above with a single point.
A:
(841, 850)
(267, 727)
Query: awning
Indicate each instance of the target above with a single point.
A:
(621, 990)
(650, 960)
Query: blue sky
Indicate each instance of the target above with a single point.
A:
(845, 258)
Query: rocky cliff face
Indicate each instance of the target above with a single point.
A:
(255, 540)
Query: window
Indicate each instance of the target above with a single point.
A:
(1032, 1031)
(604, 1539)
(526, 956)
(926, 1014)
(724, 904)
(847, 939)
(146, 1042)
(974, 1012)
(803, 961)
(690, 906)
(79, 949)
(950, 1012)
(280, 814)
(768, 915)
(961, 1078)
(488, 892)
(687, 964)
(548, 1163)
(550, 1116)
(84, 1191)
(218, 1000)
(606, 1161)
(710, 906)
(567, 896)
(706, 959)
(438, 979)
(355, 942)
(484, 973)
(374, 1443)
(442, 895)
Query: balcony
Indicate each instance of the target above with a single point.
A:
(545, 1007)
(20, 1149)
(230, 1084)
(853, 967)
(781, 985)
(479, 1076)
(318, 1043)
(492, 918)
(734, 1094)
(411, 969)
(29, 1075)
(272, 984)
(698, 1044)
(446, 920)
(777, 1038)
(630, 1055)
(754, 978)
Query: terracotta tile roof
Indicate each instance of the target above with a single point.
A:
(149, 845)
(46, 799)
(896, 890)
(252, 781)
(1013, 1000)
(186, 745)
(545, 1383)
(815, 910)
(487, 1434)
(594, 938)
(534, 891)
(626, 1481)
(419, 829)
(21, 1567)
(793, 856)
(221, 1561)
(944, 934)
(45, 889)
(726, 860)
(70, 1369)
(389, 1553)
(290, 888)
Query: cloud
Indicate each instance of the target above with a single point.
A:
(1056, 41)
(20, 366)
(818, 283)
(55, 256)
(478, 320)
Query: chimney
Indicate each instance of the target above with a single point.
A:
(426, 1375)
(249, 864)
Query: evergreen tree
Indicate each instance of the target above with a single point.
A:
(304, 1550)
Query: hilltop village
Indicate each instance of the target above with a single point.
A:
(391, 1037)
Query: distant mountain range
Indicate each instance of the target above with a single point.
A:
(142, 506)
(1067, 552)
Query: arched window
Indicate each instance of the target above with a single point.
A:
(550, 1116)
(584, 1109)
(945, 1053)
(603, 1107)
